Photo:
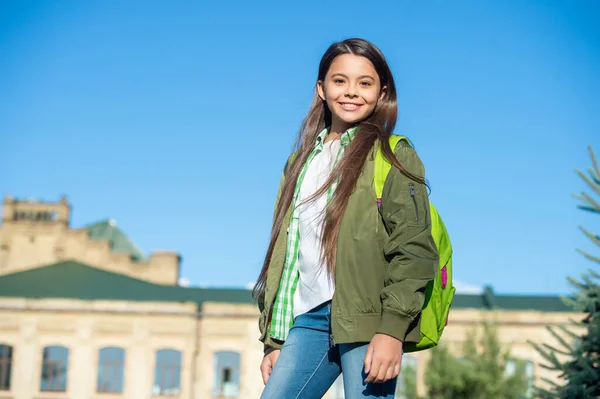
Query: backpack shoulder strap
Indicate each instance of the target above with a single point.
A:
(383, 166)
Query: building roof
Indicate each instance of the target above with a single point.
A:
(119, 242)
(542, 303)
(75, 280)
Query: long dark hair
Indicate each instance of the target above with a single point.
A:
(378, 126)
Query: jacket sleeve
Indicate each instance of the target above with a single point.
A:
(286, 167)
(410, 249)
(261, 299)
(264, 322)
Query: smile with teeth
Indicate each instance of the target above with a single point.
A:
(349, 106)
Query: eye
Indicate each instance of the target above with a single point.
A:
(365, 84)
(338, 81)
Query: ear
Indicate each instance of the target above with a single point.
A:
(321, 89)
(383, 93)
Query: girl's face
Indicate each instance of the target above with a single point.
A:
(351, 89)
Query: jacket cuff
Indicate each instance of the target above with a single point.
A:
(401, 327)
(270, 345)
(269, 349)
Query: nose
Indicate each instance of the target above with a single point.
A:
(351, 91)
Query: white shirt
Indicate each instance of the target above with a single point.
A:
(314, 286)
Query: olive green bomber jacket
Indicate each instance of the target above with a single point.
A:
(385, 258)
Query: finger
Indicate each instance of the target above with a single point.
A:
(265, 369)
(269, 362)
(382, 372)
(368, 359)
(396, 370)
(274, 356)
(390, 373)
(375, 366)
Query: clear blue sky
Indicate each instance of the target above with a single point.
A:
(175, 119)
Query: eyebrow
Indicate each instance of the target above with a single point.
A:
(360, 77)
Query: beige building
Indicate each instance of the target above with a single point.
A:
(85, 314)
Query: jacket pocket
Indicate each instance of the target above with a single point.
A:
(413, 196)
(416, 207)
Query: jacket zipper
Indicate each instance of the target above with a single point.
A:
(412, 194)
(331, 340)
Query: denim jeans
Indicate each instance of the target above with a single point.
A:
(308, 365)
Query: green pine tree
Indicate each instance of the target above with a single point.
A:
(448, 377)
(480, 373)
(578, 357)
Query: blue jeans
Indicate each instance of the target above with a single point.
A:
(308, 365)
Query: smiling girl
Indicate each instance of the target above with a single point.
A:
(342, 285)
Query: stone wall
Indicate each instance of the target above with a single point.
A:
(142, 328)
(30, 239)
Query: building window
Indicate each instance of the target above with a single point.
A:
(6, 354)
(227, 375)
(406, 387)
(167, 373)
(45, 216)
(530, 373)
(510, 368)
(54, 369)
(111, 364)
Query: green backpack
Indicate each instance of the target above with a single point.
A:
(439, 292)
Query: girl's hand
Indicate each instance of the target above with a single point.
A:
(383, 358)
(266, 367)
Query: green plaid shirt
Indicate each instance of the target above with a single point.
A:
(282, 318)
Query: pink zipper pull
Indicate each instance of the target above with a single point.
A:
(444, 277)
